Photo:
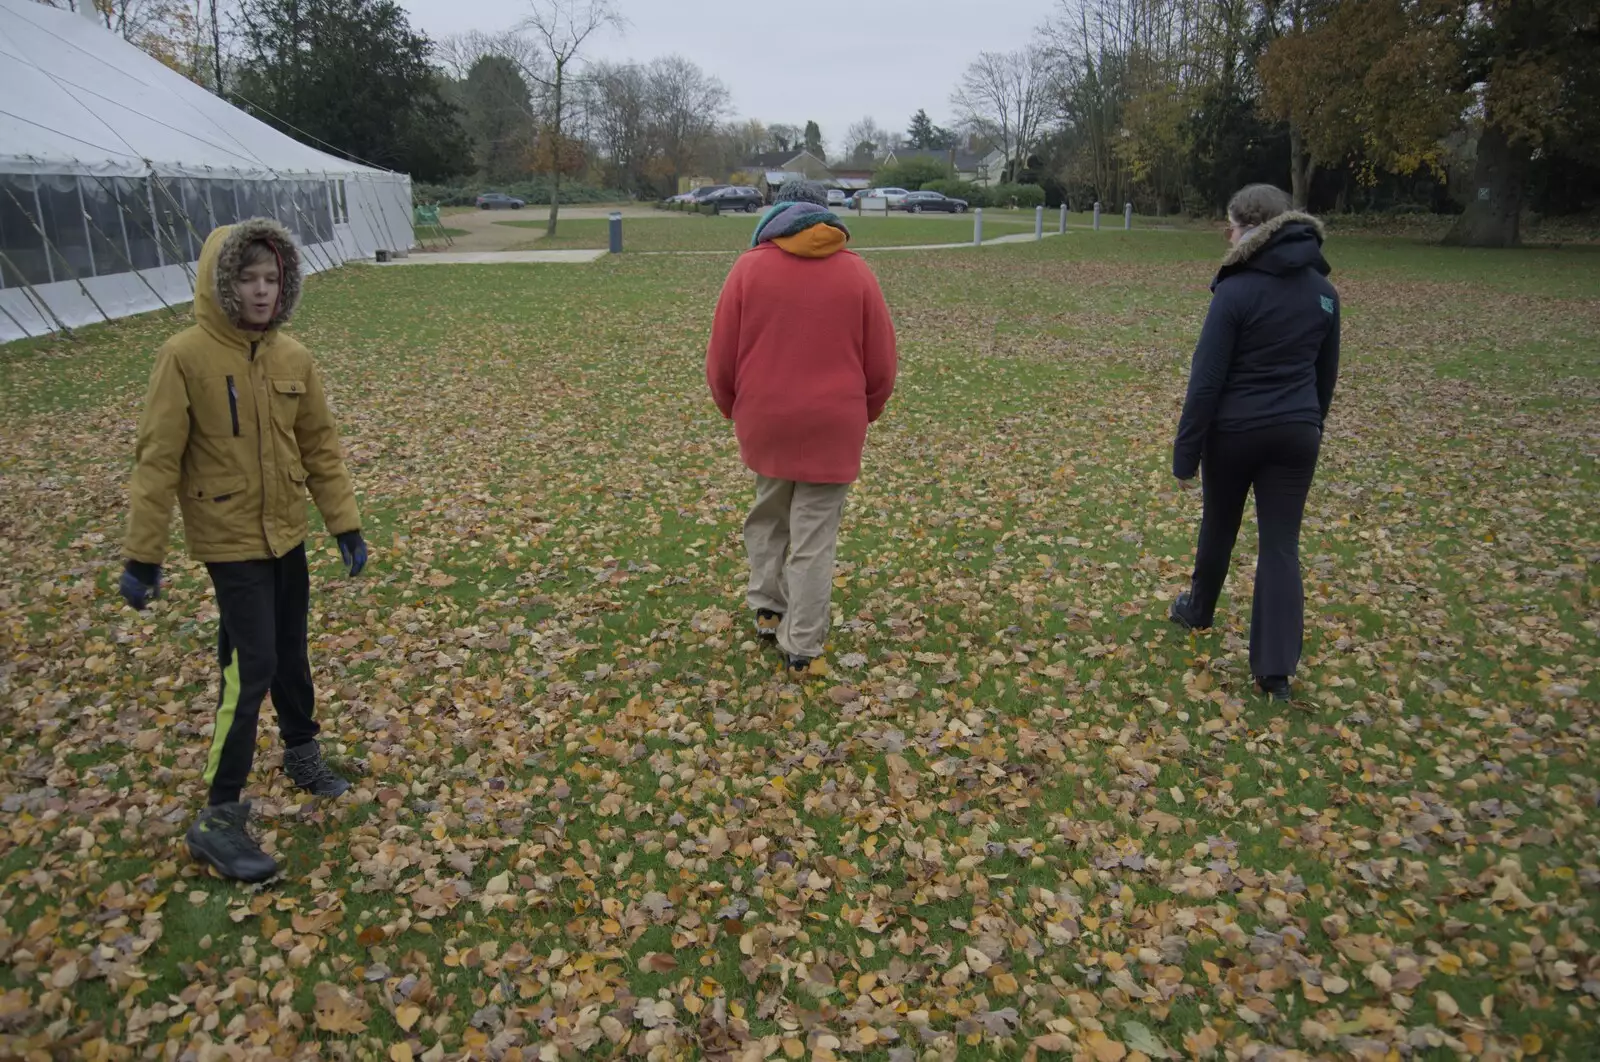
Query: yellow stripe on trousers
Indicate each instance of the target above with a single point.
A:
(230, 703)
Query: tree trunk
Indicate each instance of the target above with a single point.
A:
(1302, 167)
(555, 157)
(1494, 208)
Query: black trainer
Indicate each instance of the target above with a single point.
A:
(309, 771)
(799, 665)
(1275, 686)
(219, 837)
(767, 622)
(1179, 614)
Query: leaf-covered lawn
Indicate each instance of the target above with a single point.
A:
(1023, 815)
(731, 232)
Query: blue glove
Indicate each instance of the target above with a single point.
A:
(140, 584)
(353, 549)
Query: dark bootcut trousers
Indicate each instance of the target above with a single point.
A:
(1278, 462)
(261, 646)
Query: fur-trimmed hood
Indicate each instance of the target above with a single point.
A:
(1289, 241)
(216, 304)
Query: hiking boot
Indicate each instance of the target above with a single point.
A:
(767, 622)
(219, 838)
(1179, 614)
(799, 665)
(309, 771)
(1275, 686)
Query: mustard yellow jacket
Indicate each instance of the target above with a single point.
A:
(236, 425)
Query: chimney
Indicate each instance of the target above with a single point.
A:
(87, 9)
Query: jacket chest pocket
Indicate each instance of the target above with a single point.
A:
(286, 397)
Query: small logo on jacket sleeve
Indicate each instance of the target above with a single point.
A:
(1327, 304)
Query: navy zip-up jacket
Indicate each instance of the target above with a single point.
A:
(1269, 350)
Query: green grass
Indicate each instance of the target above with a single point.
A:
(546, 671)
(691, 232)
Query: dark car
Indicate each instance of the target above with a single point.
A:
(499, 201)
(931, 202)
(696, 195)
(734, 198)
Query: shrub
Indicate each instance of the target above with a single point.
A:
(913, 174)
(1024, 196)
(975, 195)
(534, 191)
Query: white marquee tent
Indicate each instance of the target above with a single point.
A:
(113, 169)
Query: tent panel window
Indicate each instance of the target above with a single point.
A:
(26, 261)
(134, 196)
(177, 242)
(341, 208)
(311, 205)
(64, 225)
(106, 236)
(256, 200)
(224, 205)
(197, 205)
(287, 214)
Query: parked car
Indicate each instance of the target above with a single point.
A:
(895, 196)
(837, 198)
(499, 201)
(919, 202)
(695, 195)
(733, 198)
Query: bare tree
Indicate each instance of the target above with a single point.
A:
(685, 104)
(617, 104)
(458, 53)
(1003, 96)
(865, 141)
(560, 28)
(783, 137)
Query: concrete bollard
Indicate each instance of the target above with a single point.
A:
(1097, 217)
(1063, 226)
(1038, 222)
(977, 227)
(1127, 216)
(616, 232)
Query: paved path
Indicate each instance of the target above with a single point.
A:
(500, 257)
(484, 233)
(580, 255)
(1016, 237)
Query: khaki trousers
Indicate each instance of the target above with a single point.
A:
(791, 535)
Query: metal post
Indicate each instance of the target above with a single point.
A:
(1038, 222)
(1063, 227)
(1127, 216)
(616, 231)
(977, 227)
(1097, 217)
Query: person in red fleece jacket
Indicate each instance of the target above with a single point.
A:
(802, 359)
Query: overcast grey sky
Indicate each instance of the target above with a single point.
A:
(787, 62)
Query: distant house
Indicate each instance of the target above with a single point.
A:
(975, 167)
(768, 171)
(850, 180)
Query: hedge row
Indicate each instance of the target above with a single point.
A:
(1025, 196)
(533, 192)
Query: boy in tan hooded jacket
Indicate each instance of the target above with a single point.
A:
(237, 427)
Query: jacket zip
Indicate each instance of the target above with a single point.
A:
(233, 406)
(261, 453)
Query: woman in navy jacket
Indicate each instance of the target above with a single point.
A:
(1259, 390)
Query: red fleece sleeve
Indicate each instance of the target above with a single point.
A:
(879, 360)
(722, 355)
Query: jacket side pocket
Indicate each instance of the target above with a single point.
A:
(233, 406)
